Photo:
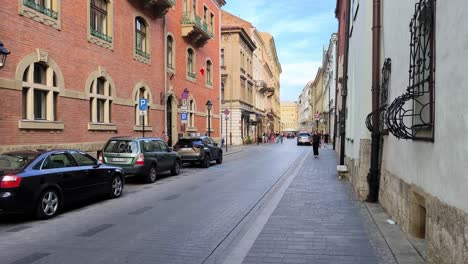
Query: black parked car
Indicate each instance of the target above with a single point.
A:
(143, 157)
(199, 149)
(41, 182)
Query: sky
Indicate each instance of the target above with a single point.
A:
(301, 28)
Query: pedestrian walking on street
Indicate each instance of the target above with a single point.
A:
(316, 143)
(281, 138)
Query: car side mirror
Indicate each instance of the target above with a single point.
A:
(215, 144)
(171, 149)
(97, 165)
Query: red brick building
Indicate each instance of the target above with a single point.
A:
(77, 70)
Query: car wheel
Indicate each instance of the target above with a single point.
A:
(206, 161)
(152, 175)
(219, 160)
(116, 186)
(48, 204)
(176, 168)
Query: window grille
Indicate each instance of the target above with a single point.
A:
(383, 100)
(411, 115)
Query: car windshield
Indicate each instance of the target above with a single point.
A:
(188, 143)
(304, 135)
(122, 146)
(13, 161)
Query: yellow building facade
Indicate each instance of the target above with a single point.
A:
(289, 116)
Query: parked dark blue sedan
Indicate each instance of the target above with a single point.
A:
(41, 182)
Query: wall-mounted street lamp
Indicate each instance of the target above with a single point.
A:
(209, 106)
(3, 55)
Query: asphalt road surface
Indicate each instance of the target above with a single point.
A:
(189, 218)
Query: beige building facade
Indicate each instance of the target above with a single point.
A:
(317, 99)
(289, 115)
(249, 82)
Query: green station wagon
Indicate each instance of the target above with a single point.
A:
(141, 157)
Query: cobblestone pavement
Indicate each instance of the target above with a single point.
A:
(318, 221)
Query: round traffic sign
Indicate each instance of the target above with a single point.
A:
(226, 112)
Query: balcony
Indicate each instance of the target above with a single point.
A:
(159, 7)
(194, 29)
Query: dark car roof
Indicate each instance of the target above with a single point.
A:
(133, 138)
(194, 137)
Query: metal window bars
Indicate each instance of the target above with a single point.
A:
(383, 100)
(411, 115)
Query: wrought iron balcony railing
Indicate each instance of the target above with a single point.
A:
(195, 29)
(40, 8)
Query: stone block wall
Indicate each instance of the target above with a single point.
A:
(445, 226)
(359, 168)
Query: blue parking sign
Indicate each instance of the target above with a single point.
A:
(143, 104)
(183, 116)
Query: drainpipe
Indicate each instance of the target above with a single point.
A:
(165, 78)
(344, 90)
(373, 177)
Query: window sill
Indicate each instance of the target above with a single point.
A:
(102, 127)
(191, 79)
(52, 18)
(208, 85)
(100, 42)
(41, 125)
(170, 70)
(140, 128)
(192, 129)
(142, 59)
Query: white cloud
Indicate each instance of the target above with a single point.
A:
(295, 76)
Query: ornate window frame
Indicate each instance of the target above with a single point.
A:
(51, 17)
(209, 73)
(171, 68)
(110, 26)
(54, 86)
(143, 56)
(93, 97)
(191, 75)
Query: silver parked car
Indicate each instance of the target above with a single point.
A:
(304, 138)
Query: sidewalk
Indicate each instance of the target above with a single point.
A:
(319, 221)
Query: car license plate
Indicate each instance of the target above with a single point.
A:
(119, 159)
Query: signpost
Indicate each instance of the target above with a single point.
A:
(143, 107)
(226, 116)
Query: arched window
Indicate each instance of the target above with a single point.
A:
(170, 52)
(209, 73)
(191, 112)
(141, 93)
(100, 101)
(191, 63)
(40, 92)
(140, 35)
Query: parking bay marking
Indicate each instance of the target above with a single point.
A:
(91, 232)
(17, 229)
(141, 210)
(31, 258)
(171, 197)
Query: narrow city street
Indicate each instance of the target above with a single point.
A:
(206, 215)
